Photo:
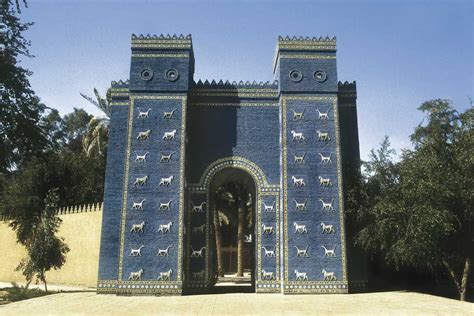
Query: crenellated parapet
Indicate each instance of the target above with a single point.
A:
(161, 37)
(306, 43)
(119, 92)
(304, 48)
(347, 90)
(84, 208)
(234, 84)
(120, 84)
(168, 42)
(72, 209)
(234, 89)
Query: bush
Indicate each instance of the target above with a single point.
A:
(19, 293)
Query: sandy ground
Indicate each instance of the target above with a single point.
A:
(51, 287)
(385, 303)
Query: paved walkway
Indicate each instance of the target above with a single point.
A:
(393, 303)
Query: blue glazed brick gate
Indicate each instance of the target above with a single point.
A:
(170, 136)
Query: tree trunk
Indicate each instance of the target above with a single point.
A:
(218, 233)
(240, 237)
(43, 278)
(465, 277)
(463, 286)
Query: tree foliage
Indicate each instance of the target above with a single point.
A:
(95, 140)
(21, 135)
(42, 160)
(233, 203)
(45, 250)
(418, 211)
(78, 177)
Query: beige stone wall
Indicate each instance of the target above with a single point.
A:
(82, 234)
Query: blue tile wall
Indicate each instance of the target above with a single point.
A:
(308, 68)
(153, 193)
(159, 66)
(312, 192)
(114, 177)
(250, 132)
(301, 100)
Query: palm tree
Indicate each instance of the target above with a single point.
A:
(97, 134)
(240, 232)
(222, 216)
(233, 206)
(232, 199)
(244, 202)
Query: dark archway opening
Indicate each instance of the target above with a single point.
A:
(232, 204)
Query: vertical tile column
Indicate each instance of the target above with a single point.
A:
(152, 214)
(268, 239)
(114, 179)
(200, 221)
(314, 244)
(312, 201)
(142, 243)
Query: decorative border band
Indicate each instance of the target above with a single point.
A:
(244, 104)
(262, 189)
(160, 55)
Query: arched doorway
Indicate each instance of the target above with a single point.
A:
(232, 204)
(201, 270)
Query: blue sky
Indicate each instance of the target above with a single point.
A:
(401, 53)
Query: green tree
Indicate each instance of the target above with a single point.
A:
(233, 206)
(45, 250)
(66, 132)
(223, 216)
(21, 134)
(78, 177)
(418, 212)
(98, 130)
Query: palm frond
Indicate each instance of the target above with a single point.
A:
(223, 219)
(97, 132)
(99, 102)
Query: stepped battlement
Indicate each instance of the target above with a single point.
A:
(235, 84)
(167, 42)
(92, 207)
(347, 89)
(120, 84)
(306, 43)
(73, 209)
(161, 37)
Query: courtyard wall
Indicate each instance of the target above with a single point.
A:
(80, 228)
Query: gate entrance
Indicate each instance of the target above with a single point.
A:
(232, 205)
(232, 216)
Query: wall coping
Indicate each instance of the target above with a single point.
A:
(72, 209)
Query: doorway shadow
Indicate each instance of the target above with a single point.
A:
(232, 206)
